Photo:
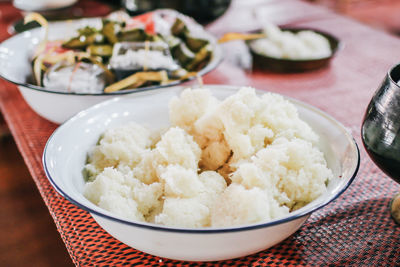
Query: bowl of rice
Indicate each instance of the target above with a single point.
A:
(289, 50)
(201, 174)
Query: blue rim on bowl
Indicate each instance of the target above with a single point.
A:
(292, 216)
(283, 65)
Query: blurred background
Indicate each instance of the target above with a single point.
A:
(28, 234)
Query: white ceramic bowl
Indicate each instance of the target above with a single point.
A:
(15, 67)
(43, 5)
(65, 155)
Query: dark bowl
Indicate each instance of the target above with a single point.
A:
(203, 11)
(282, 65)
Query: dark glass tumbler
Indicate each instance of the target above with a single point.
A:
(380, 131)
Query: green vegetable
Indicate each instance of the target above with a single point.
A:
(87, 31)
(98, 141)
(134, 35)
(82, 41)
(138, 79)
(195, 44)
(86, 36)
(89, 173)
(179, 28)
(201, 59)
(109, 31)
(75, 43)
(183, 54)
(171, 41)
(100, 50)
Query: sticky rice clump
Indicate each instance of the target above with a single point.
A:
(302, 45)
(243, 160)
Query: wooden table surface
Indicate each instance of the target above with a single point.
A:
(355, 229)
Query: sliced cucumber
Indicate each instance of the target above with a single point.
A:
(76, 43)
(134, 35)
(109, 31)
(201, 59)
(179, 28)
(195, 44)
(183, 54)
(100, 50)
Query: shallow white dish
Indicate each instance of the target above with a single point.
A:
(65, 154)
(15, 67)
(42, 5)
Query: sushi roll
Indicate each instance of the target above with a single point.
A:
(131, 57)
(80, 77)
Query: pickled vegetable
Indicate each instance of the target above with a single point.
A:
(183, 54)
(37, 69)
(233, 36)
(172, 41)
(100, 50)
(195, 44)
(109, 31)
(75, 42)
(88, 174)
(82, 41)
(87, 31)
(186, 75)
(43, 22)
(201, 59)
(137, 79)
(134, 35)
(179, 28)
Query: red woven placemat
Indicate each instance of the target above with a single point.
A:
(356, 229)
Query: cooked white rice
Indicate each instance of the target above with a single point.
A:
(139, 59)
(243, 160)
(287, 45)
